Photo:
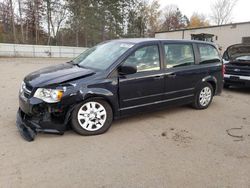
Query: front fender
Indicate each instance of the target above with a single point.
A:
(109, 96)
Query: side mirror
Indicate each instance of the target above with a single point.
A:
(124, 69)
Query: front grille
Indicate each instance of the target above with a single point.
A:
(238, 70)
(27, 89)
(26, 95)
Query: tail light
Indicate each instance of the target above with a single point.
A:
(223, 70)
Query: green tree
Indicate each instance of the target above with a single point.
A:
(34, 11)
(97, 21)
(153, 17)
(137, 19)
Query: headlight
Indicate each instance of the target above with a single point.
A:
(22, 86)
(49, 95)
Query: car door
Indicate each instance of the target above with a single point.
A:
(146, 86)
(182, 72)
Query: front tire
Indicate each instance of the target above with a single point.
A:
(203, 96)
(92, 117)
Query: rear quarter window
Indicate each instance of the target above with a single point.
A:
(208, 54)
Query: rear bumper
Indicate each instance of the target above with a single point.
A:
(237, 80)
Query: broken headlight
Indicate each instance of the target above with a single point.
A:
(49, 95)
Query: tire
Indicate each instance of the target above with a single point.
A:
(203, 96)
(92, 117)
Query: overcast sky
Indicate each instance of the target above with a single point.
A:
(241, 11)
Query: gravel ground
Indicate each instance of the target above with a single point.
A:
(177, 147)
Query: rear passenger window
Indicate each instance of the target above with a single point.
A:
(178, 55)
(208, 54)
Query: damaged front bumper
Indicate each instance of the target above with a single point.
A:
(26, 131)
(34, 116)
(29, 127)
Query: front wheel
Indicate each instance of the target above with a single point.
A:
(92, 117)
(203, 96)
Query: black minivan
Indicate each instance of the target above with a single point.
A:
(115, 79)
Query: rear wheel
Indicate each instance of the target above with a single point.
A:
(203, 96)
(92, 117)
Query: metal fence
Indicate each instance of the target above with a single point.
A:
(24, 50)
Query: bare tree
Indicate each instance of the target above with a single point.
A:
(5, 16)
(58, 14)
(21, 19)
(36, 20)
(48, 19)
(13, 21)
(34, 14)
(222, 11)
(173, 18)
(153, 17)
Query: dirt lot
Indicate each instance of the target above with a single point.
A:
(178, 147)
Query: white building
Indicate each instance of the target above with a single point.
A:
(223, 35)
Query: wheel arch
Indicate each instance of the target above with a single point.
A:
(109, 118)
(100, 97)
(94, 93)
(199, 87)
(103, 94)
(211, 80)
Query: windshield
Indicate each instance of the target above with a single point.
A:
(102, 56)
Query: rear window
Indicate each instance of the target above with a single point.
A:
(208, 54)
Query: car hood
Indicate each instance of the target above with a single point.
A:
(57, 74)
(237, 50)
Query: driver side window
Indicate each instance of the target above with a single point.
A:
(145, 59)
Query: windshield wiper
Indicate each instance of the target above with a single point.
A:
(70, 62)
(77, 64)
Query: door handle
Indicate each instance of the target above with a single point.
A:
(171, 75)
(159, 77)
